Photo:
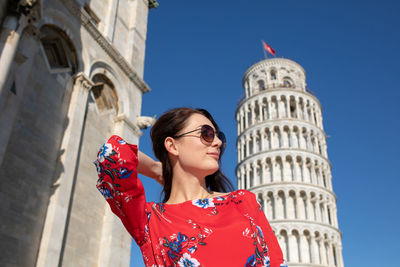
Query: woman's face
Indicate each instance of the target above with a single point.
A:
(194, 154)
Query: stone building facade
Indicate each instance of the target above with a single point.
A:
(70, 76)
(282, 158)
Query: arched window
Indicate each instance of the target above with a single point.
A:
(59, 52)
(287, 82)
(104, 93)
(261, 85)
(273, 74)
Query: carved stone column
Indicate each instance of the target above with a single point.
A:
(254, 142)
(318, 214)
(287, 103)
(254, 168)
(263, 167)
(246, 116)
(339, 255)
(239, 150)
(263, 137)
(304, 171)
(313, 174)
(304, 249)
(247, 176)
(322, 252)
(241, 125)
(297, 107)
(253, 115)
(269, 105)
(278, 207)
(300, 207)
(247, 146)
(260, 112)
(330, 254)
(310, 208)
(293, 248)
(57, 212)
(314, 250)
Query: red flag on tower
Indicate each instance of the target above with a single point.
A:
(269, 49)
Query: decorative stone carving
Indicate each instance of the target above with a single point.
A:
(143, 122)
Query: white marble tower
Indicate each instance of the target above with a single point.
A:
(282, 158)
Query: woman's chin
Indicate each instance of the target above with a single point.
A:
(212, 170)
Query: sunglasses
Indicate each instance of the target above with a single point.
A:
(208, 134)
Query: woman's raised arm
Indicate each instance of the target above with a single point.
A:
(150, 168)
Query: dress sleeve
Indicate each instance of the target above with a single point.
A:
(274, 250)
(118, 182)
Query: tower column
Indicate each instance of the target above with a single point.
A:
(304, 248)
(269, 105)
(247, 176)
(293, 248)
(253, 116)
(314, 250)
(310, 208)
(288, 115)
(246, 116)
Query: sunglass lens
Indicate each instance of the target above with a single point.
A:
(207, 133)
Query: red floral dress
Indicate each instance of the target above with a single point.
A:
(229, 230)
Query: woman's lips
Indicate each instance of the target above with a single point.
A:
(214, 155)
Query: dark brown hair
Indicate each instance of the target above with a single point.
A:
(168, 125)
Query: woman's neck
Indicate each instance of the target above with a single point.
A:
(187, 187)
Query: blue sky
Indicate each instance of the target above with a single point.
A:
(198, 51)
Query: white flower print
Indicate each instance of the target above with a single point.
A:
(266, 261)
(204, 203)
(105, 151)
(187, 261)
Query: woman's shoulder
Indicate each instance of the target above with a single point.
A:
(243, 195)
(247, 197)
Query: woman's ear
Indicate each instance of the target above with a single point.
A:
(170, 146)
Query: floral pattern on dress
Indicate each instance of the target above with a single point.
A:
(203, 203)
(261, 254)
(187, 261)
(105, 152)
(181, 247)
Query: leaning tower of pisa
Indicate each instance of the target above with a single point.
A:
(282, 158)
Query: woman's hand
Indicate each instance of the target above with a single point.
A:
(150, 168)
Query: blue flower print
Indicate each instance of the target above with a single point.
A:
(122, 142)
(251, 261)
(105, 192)
(266, 261)
(124, 173)
(105, 151)
(176, 246)
(192, 249)
(204, 203)
(260, 231)
(187, 261)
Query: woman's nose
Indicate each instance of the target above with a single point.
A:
(217, 142)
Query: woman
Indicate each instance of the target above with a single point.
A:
(198, 223)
